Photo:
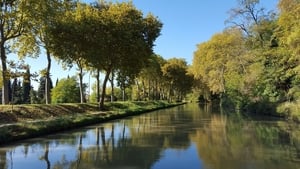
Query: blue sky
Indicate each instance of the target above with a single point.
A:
(186, 23)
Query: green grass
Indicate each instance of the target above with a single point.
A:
(27, 121)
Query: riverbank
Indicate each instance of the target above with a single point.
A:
(27, 121)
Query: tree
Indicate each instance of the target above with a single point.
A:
(221, 62)
(44, 12)
(176, 72)
(151, 78)
(26, 87)
(250, 17)
(16, 94)
(110, 37)
(70, 36)
(41, 89)
(66, 91)
(287, 35)
(13, 23)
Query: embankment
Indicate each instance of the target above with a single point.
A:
(27, 121)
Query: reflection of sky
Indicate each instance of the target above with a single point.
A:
(89, 139)
(34, 158)
(174, 158)
(59, 152)
(171, 139)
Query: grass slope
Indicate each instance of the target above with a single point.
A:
(27, 121)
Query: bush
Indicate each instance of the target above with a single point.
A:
(66, 91)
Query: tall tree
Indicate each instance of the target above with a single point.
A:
(26, 87)
(107, 37)
(249, 16)
(13, 23)
(130, 40)
(221, 62)
(41, 89)
(288, 35)
(16, 93)
(70, 36)
(44, 12)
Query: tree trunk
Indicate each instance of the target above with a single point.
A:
(47, 83)
(5, 78)
(101, 103)
(138, 90)
(82, 99)
(144, 90)
(149, 90)
(123, 94)
(98, 85)
(112, 86)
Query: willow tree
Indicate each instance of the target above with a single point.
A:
(13, 23)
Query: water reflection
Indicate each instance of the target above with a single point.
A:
(189, 136)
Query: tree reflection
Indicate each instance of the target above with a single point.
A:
(233, 142)
(222, 141)
(3, 158)
(46, 155)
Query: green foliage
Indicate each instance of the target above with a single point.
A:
(13, 24)
(220, 62)
(109, 37)
(176, 73)
(66, 91)
(257, 66)
(150, 82)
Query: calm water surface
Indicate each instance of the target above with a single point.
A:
(186, 137)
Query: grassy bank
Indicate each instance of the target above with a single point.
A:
(28, 121)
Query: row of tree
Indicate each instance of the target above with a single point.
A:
(160, 79)
(114, 38)
(256, 59)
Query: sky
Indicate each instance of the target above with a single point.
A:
(186, 23)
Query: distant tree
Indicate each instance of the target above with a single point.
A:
(66, 91)
(34, 99)
(26, 86)
(41, 89)
(151, 78)
(180, 82)
(16, 92)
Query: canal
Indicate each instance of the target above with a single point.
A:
(191, 136)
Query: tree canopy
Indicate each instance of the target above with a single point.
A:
(109, 37)
(256, 59)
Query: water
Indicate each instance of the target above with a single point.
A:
(191, 136)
